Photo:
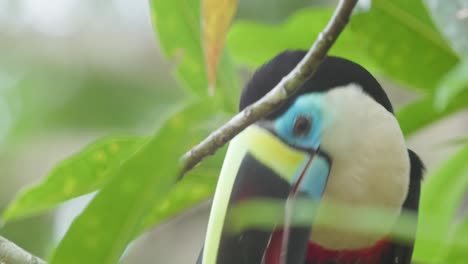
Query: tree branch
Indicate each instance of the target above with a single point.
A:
(285, 88)
(12, 254)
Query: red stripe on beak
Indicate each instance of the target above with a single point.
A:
(277, 248)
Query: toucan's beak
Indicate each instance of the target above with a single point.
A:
(259, 166)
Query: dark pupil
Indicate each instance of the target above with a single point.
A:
(302, 126)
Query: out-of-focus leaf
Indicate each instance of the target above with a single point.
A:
(403, 42)
(458, 141)
(274, 11)
(217, 17)
(177, 25)
(422, 113)
(451, 17)
(265, 214)
(102, 232)
(456, 251)
(442, 193)
(253, 44)
(198, 186)
(453, 84)
(80, 174)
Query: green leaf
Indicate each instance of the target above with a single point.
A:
(80, 174)
(403, 42)
(421, 113)
(179, 35)
(177, 24)
(441, 196)
(253, 43)
(455, 82)
(450, 18)
(102, 232)
(457, 249)
(396, 38)
(199, 185)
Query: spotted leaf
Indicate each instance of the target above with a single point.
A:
(80, 174)
(102, 231)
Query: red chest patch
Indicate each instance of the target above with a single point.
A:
(320, 255)
(373, 255)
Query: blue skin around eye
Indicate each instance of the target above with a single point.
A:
(316, 177)
(309, 105)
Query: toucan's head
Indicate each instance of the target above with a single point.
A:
(336, 139)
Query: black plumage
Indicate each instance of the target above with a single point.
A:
(333, 72)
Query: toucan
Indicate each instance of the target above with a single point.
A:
(336, 140)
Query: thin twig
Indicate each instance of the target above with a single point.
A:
(285, 88)
(12, 254)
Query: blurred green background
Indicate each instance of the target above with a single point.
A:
(72, 71)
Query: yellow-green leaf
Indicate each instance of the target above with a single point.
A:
(216, 19)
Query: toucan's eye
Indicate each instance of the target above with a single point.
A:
(302, 126)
